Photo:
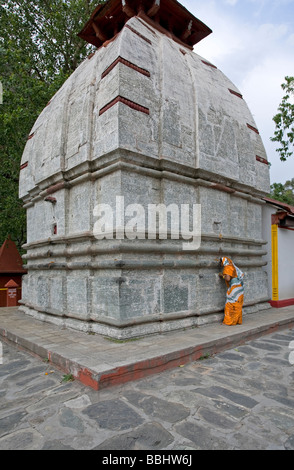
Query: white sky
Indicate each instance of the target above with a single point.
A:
(253, 45)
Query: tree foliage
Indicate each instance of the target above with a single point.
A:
(284, 120)
(39, 49)
(283, 192)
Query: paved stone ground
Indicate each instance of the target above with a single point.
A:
(242, 398)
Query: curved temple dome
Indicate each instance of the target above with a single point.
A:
(147, 119)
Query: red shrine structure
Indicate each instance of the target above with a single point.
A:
(11, 272)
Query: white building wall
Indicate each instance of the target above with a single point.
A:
(267, 212)
(286, 263)
(285, 255)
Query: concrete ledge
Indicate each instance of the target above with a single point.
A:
(99, 363)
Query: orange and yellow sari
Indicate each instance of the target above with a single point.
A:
(235, 293)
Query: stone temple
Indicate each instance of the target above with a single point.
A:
(143, 121)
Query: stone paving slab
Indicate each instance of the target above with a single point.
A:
(239, 399)
(99, 362)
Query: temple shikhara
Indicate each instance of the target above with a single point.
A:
(146, 119)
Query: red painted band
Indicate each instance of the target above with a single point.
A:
(281, 303)
(208, 63)
(128, 64)
(121, 99)
(253, 128)
(235, 93)
(24, 165)
(261, 160)
(138, 34)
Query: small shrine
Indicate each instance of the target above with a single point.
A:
(11, 271)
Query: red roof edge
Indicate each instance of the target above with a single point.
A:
(10, 259)
(282, 205)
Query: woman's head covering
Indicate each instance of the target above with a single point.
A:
(231, 269)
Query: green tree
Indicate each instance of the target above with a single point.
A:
(39, 49)
(283, 193)
(284, 120)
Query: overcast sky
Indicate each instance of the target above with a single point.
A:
(253, 45)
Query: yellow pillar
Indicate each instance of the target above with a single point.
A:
(275, 270)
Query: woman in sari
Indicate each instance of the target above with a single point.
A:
(235, 292)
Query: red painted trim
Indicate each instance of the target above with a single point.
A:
(208, 63)
(161, 29)
(235, 93)
(282, 205)
(55, 187)
(253, 128)
(86, 377)
(261, 160)
(24, 165)
(285, 228)
(50, 199)
(281, 303)
(221, 187)
(125, 101)
(138, 34)
(124, 374)
(128, 64)
(275, 218)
